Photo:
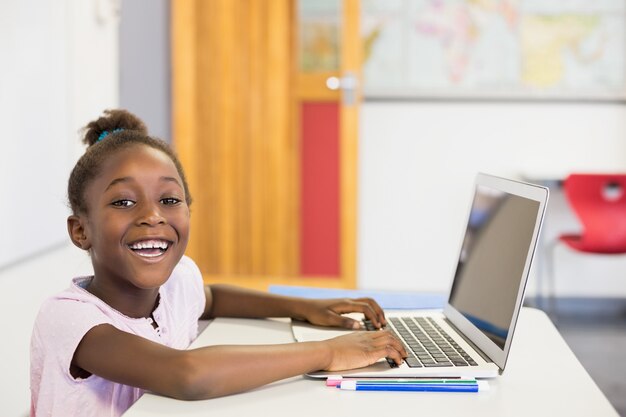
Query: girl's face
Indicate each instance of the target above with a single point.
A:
(137, 227)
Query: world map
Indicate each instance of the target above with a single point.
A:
(495, 48)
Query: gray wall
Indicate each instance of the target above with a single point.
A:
(145, 63)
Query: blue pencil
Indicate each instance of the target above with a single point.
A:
(448, 387)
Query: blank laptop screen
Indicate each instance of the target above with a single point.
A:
(492, 259)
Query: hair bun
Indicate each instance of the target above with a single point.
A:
(115, 119)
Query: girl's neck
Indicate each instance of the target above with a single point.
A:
(130, 301)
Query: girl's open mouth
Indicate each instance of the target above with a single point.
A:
(150, 248)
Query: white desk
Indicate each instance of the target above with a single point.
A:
(564, 388)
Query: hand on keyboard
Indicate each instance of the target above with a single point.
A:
(330, 312)
(359, 349)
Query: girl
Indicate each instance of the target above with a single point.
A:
(97, 346)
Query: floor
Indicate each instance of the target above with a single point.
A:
(596, 333)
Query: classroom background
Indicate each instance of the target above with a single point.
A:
(381, 207)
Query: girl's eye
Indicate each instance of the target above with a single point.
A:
(170, 201)
(123, 203)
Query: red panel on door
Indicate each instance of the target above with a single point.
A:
(319, 208)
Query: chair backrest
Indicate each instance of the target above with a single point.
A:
(599, 201)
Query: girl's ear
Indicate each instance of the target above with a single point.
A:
(76, 230)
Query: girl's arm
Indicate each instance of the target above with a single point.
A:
(221, 370)
(231, 301)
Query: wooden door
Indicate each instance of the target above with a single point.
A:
(327, 64)
(249, 142)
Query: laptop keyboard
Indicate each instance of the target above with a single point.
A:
(426, 343)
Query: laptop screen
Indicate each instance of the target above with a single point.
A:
(493, 256)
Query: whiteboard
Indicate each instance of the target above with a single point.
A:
(35, 142)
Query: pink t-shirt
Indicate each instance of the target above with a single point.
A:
(64, 319)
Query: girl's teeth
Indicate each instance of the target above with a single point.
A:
(152, 244)
(150, 248)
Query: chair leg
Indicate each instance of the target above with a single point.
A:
(539, 265)
(551, 307)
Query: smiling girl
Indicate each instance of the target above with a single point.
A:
(97, 346)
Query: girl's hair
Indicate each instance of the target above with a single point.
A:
(109, 134)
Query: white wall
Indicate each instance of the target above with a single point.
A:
(417, 165)
(83, 33)
(34, 120)
(23, 288)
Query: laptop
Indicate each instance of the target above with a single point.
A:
(472, 335)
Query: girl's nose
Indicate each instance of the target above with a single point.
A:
(151, 216)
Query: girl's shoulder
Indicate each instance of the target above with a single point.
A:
(189, 264)
(69, 314)
(186, 284)
(184, 271)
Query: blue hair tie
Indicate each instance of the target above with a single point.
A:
(106, 133)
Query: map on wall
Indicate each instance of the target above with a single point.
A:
(563, 49)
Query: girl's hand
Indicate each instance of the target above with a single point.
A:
(359, 349)
(329, 312)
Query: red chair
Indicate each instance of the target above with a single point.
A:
(599, 202)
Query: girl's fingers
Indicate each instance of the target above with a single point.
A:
(369, 310)
(369, 313)
(394, 355)
(359, 349)
(387, 340)
(376, 309)
(389, 352)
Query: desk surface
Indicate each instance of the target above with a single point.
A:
(540, 380)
